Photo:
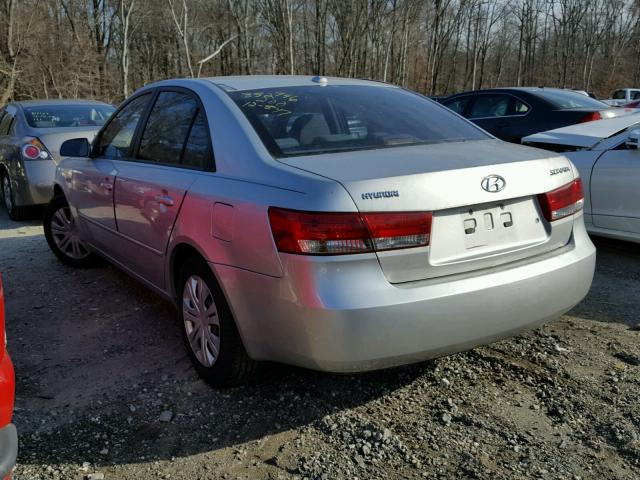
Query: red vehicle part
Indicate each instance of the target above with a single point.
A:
(8, 435)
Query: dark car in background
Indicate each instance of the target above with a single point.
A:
(8, 435)
(31, 133)
(513, 113)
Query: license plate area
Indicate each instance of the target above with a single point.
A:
(486, 230)
(487, 225)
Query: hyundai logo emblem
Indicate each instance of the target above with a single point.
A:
(493, 183)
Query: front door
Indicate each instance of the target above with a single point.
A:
(149, 190)
(615, 192)
(90, 185)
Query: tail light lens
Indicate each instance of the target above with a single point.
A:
(316, 233)
(34, 149)
(563, 201)
(590, 117)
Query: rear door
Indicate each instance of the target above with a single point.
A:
(615, 195)
(172, 149)
(492, 112)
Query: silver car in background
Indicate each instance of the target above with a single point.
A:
(335, 224)
(31, 133)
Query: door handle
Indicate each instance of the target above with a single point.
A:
(501, 124)
(106, 186)
(164, 200)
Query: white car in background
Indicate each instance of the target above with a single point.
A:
(623, 96)
(607, 157)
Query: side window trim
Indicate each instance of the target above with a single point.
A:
(211, 167)
(186, 138)
(98, 137)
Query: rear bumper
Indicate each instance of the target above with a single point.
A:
(8, 449)
(34, 183)
(324, 316)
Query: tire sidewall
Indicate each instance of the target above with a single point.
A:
(58, 202)
(221, 373)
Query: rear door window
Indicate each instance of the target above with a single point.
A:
(197, 150)
(618, 95)
(490, 106)
(176, 133)
(458, 105)
(168, 127)
(116, 140)
(520, 108)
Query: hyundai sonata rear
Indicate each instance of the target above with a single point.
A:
(339, 224)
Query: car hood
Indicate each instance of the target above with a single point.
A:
(584, 135)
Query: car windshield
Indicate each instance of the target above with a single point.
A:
(566, 99)
(73, 115)
(310, 120)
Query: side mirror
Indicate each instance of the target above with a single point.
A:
(76, 147)
(633, 139)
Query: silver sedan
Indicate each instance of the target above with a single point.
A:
(335, 224)
(31, 133)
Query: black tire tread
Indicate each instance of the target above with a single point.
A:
(234, 367)
(16, 213)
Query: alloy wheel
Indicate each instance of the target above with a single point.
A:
(201, 321)
(65, 235)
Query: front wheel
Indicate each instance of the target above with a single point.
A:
(208, 329)
(63, 237)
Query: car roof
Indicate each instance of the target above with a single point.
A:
(251, 82)
(514, 89)
(586, 134)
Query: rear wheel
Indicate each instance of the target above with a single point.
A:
(62, 235)
(208, 329)
(15, 212)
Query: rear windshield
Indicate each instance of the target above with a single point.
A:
(567, 99)
(336, 118)
(57, 116)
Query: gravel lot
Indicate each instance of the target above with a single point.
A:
(105, 390)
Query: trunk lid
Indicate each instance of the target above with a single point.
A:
(53, 138)
(472, 228)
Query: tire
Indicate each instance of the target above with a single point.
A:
(198, 291)
(8, 199)
(62, 235)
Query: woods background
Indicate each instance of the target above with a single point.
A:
(106, 48)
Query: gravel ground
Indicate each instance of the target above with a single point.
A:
(105, 390)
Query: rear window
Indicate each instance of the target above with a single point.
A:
(57, 116)
(336, 118)
(567, 99)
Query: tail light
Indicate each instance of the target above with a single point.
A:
(34, 149)
(563, 201)
(590, 117)
(316, 233)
